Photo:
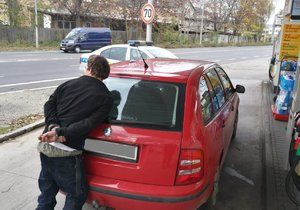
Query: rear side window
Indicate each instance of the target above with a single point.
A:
(136, 55)
(219, 96)
(118, 53)
(205, 101)
(226, 82)
(105, 53)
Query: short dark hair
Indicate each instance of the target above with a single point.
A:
(98, 66)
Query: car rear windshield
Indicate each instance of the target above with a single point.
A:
(147, 104)
(160, 53)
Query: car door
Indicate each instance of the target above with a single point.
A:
(83, 41)
(212, 128)
(113, 54)
(118, 53)
(231, 100)
(223, 113)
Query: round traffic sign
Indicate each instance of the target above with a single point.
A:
(147, 13)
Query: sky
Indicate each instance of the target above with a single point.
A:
(278, 4)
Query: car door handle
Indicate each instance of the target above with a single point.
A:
(223, 124)
(232, 108)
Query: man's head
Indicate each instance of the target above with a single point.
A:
(98, 67)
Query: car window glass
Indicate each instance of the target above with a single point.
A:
(145, 56)
(226, 82)
(83, 37)
(160, 53)
(118, 53)
(105, 53)
(134, 54)
(205, 101)
(217, 87)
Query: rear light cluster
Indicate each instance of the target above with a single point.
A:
(190, 168)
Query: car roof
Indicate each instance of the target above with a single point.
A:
(163, 69)
(127, 45)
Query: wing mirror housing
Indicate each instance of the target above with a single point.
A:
(240, 89)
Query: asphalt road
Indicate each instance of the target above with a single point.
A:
(31, 70)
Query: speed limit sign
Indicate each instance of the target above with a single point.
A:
(147, 13)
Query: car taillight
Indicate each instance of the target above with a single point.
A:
(190, 168)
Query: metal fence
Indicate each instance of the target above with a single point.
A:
(27, 35)
(12, 35)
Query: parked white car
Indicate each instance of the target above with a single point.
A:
(124, 52)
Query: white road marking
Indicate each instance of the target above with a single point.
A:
(236, 174)
(36, 82)
(1, 76)
(244, 57)
(195, 52)
(205, 51)
(34, 60)
(256, 56)
(32, 89)
(232, 59)
(216, 61)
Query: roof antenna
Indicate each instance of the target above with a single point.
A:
(136, 43)
(146, 66)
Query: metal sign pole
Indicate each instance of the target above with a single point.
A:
(149, 28)
(201, 27)
(36, 25)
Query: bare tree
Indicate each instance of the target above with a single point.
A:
(77, 8)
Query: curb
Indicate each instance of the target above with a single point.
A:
(23, 130)
(270, 194)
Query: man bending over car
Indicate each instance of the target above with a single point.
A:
(74, 109)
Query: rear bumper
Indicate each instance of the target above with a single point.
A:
(122, 195)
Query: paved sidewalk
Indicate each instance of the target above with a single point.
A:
(275, 156)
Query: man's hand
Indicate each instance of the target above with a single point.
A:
(51, 136)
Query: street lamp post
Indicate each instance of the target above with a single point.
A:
(201, 27)
(36, 25)
(149, 28)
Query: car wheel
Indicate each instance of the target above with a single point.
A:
(235, 124)
(65, 51)
(77, 49)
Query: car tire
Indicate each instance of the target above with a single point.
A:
(77, 49)
(66, 51)
(236, 120)
(211, 202)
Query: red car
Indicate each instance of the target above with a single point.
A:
(167, 136)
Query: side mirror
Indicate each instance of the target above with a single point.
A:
(240, 89)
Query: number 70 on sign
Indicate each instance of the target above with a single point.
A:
(147, 13)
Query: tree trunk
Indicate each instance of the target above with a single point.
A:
(78, 23)
(13, 10)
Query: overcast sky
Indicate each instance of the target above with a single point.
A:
(278, 4)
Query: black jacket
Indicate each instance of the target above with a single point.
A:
(78, 106)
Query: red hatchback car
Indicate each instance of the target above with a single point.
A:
(167, 136)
